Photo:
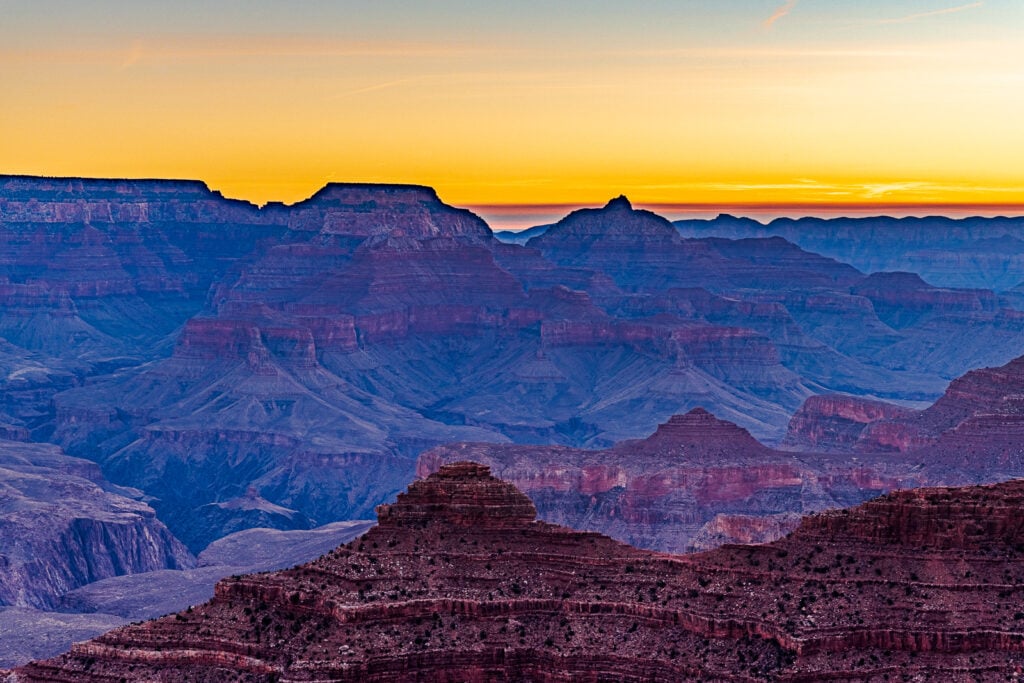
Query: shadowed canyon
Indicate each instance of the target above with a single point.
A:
(189, 379)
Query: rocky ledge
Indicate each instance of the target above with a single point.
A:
(458, 582)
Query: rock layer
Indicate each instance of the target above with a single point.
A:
(975, 429)
(697, 482)
(919, 584)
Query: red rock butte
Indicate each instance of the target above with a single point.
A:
(445, 499)
(458, 582)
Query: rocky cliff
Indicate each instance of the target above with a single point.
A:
(832, 422)
(92, 609)
(63, 526)
(95, 274)
(458, 582)
(976, 428)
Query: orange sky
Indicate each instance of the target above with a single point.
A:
(748, 103)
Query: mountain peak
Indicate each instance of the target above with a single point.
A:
(616, 221)
(620, 203)
(701, 431)
(462, 494)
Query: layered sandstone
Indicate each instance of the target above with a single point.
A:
(834, 422)
(976, 427)
(697, 482)
(458, 583)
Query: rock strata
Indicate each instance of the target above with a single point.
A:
(917, 584)
(696, 483)
(976, 428)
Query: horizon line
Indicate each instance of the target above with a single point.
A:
(760, 205)
(520, 216)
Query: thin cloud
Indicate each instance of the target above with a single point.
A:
(782, 11)
(933, 13)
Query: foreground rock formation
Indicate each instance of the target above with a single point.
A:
(458, 582)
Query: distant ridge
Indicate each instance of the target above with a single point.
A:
(971, 252)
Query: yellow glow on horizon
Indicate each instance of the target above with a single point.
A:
(276, 118)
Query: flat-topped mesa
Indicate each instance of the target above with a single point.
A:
(399, 210)
(46, 188)
(27, 201)
(462, 494)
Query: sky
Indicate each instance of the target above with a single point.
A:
(522, 109)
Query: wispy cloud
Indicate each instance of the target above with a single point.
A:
(728, 53)
(933, 13)
(782, 11)
(814, 190)
(372, 88)
(875, 190)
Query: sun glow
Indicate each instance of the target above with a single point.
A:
(763, 103)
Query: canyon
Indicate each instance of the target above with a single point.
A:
(382, 322)
(458, 580)
(178, 368)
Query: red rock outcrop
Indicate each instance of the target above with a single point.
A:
(689, 485)
(832, 422)
(975, 428)
(458, 583)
